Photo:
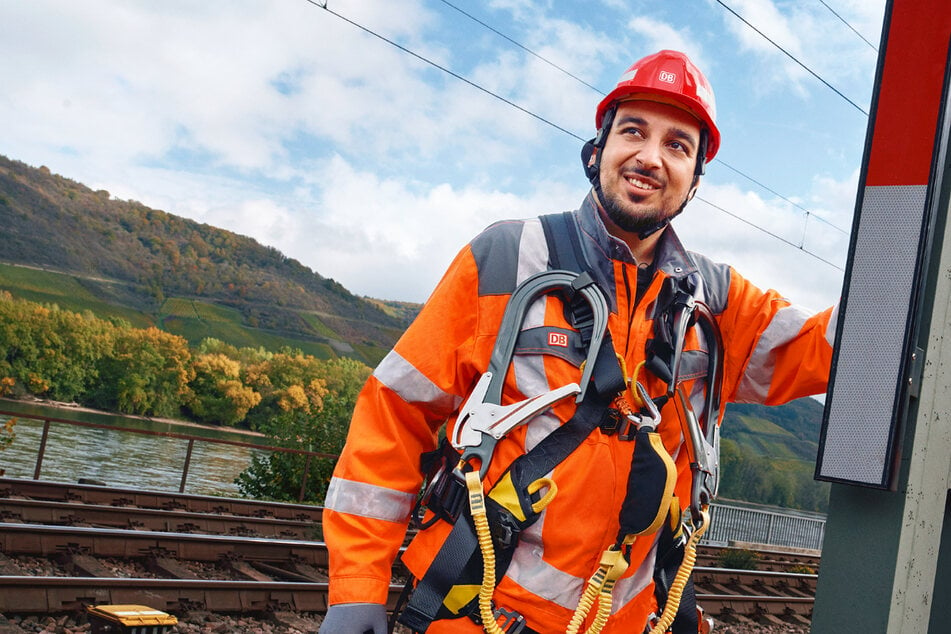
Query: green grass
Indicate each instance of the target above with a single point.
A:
(371, 355)
(194, 330)
(46, 287)
(768, 439)
(319, 327)
(214, 312)
(177, 307)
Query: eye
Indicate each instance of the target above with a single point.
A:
(632, 131)
(679, 146)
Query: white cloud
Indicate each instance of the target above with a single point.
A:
(661, 35)
(286, 123)
(804, 259)
(394, 240)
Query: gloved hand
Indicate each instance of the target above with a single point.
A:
(354, 618)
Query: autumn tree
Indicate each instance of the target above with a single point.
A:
(48, 351)
(217, 393)
(146, 373)
(306, 404)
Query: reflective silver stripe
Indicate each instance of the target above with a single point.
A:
(628, 588)
(529, 570)
(785, 325)
(532, 250)
(833, 324)
(368, 500)
(413, 386)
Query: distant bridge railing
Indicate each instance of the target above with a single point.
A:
(788, 529)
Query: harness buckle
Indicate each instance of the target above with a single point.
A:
(512, 621)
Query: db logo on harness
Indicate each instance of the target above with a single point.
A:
(667, 77)
(559, 339)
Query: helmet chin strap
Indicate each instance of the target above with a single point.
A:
(591, 159)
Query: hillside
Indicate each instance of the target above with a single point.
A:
(768, 454)
(123, 259)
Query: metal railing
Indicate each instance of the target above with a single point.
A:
(730, 523)
(47, 420)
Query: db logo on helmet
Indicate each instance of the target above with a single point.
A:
(667, 77)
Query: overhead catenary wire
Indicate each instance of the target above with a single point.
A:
(426, 60)
(846, 23)
(521, 46)
(793, 58)
(323, 5)
(808, 213)
(768, 232)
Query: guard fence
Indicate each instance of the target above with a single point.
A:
(732, 523)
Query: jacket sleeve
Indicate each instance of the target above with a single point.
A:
(412, 392)
(776, 351)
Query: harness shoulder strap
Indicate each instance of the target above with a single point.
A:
(565, 252)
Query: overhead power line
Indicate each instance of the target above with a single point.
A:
(793, 58)
(845, 22)
(323, 5)
(770, 233)
(521, 46)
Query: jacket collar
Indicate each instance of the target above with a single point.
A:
(670, 256)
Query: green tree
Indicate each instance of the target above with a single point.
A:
(217, 394)
(306, 404)
(146, 373)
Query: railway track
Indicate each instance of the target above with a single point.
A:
(185, 552)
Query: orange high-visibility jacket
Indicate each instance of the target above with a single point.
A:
(774, 352)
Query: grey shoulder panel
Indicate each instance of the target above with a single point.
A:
(715, 286)
(496, 253)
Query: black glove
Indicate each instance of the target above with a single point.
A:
(354, 618)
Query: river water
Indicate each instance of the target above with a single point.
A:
(123, 458)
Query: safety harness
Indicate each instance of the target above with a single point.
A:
(486, 526)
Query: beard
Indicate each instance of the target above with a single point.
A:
(644, 220)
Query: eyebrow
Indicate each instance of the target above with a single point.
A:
(678, 133)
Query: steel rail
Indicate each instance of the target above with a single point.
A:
(72, 514)
(44, 540)
(146, 498)
(51, 595)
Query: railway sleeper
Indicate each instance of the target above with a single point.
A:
(169, 567)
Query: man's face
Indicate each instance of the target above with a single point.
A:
(647, 163)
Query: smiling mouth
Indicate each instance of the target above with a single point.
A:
(636, 182)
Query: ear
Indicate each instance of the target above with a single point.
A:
(593, 158)
(589, 159)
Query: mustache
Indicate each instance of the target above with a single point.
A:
(646, 173)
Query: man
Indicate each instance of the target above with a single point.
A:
(656, 130)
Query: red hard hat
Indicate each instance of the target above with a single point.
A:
(670, 77)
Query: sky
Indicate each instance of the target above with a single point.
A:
(371, 140)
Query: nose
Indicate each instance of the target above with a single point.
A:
(648, 154)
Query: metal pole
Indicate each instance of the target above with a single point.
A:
(188, 460)
(39, 455)
(303, 482)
